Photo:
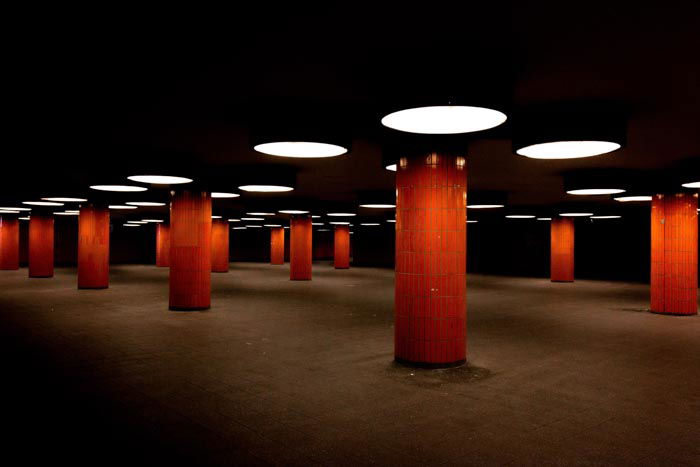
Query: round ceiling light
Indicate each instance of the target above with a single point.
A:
(471, 222)
(341, 214)
(627, 199)
(576, 214)
(325, 230)
(121, 206)
(221, 194)
(606, 217)
(136, 222)
(152, 220)
(301, 149)
(23, 218)
(159, 179)
(238, 228)
(119, 188)
(216, 217)
(692, 185)
(265, 188)
(519, 216)
(294, 211)
(568, 149)
(254, 226)
(393, 221)
(340, 223)
(252, 218)
(15, 209)
(144, 203)
(318, 223)
(42, 203)
(391, 167)
(7, 211)
(272, 225)
(378, 206)
(66, 213)
(369, 224)
(234, 220)
(260, 213)
(544, 218)
(131, 225)
(66, 200)
(444, 119)
(485, 206)
(596, 191)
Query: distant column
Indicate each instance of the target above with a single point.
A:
(219, 245)
(300, 249)
(341, 247)
(41, 238)
(190, 251)
(93, 247)
(674, 254)
(162, 245)
(9, 242)
(277, 245)
(562, 249)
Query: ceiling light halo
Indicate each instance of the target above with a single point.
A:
(692, 185)
(119, 188)
(606, 217)
(576, 214)
(159, 179)
(65, 200)
(485, 206)
(595, 191)
(378, 206)
(301, 149)
(223, 195)
(144, 203)
(568, 149)
(42, 203)
(293, 212)
(265, 188)
(443, 119)
(519, 216)
(631, 199)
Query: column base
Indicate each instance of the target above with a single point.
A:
(220, 272)
(180, 308)
(41, 277)
(672, 314)
(83, 287)
(342, 267)
(300, 279)
(556, 280)
(430, 366)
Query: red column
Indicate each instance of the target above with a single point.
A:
(431, 242)
(300, 249)
(9, 243)
(41, 245)
(674, 254)
(93, 248)
(561, 257)
(162, 245)
(341, 247)
(277, 245)
(219, 245)
(190, 251)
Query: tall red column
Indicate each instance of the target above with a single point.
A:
(93, 247)
(561, 258)
(674, 254)
(219, 245)
(277, 245)
(300, 249)
(41, 245)
(431, 242)
(341, 247)
(162, 245)
(9, 243)
(190, 251)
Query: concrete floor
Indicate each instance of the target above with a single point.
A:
(301, 373)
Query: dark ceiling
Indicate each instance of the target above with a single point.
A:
(98, 95)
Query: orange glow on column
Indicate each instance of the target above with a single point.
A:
(41, 245)
(9, 243)
(277, 245)
(219, 246)
(300, 249)
(162, 245)
(674, 254)
(341, 247)
(93, 248)
(431, 252)
(190, 251)
(561, 257)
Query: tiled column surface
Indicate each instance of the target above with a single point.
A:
(93, 248)
(41, 245)
(341, 247)
(561, 257)
(277, 245)
(219, 245)
(430, 290)
(162, 245)
(9, 243)
(674, 254)
(300, 249)
(190, 250)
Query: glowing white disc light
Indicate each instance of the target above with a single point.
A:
(42, 203)
(444, 119)
(260, 213)
(627, 199)
(219, 194)
(294, 211)
(391, 167)
(692, 185)
(121, 206)
(472, 222)
(568, 149)
(159, 179)
(119, 188)
(369, 224)
(520, 216)
(152, 220)
(484, 206)
(606, 217)
(544, 218)
(144, 203)
(303, 149)
(341, 214)
(265, 188)
(66, 200)
(339, 223)
(7, 211)
(378, 206)
(596, 191)
(65, 213)
(576, 214)
(15, 209)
